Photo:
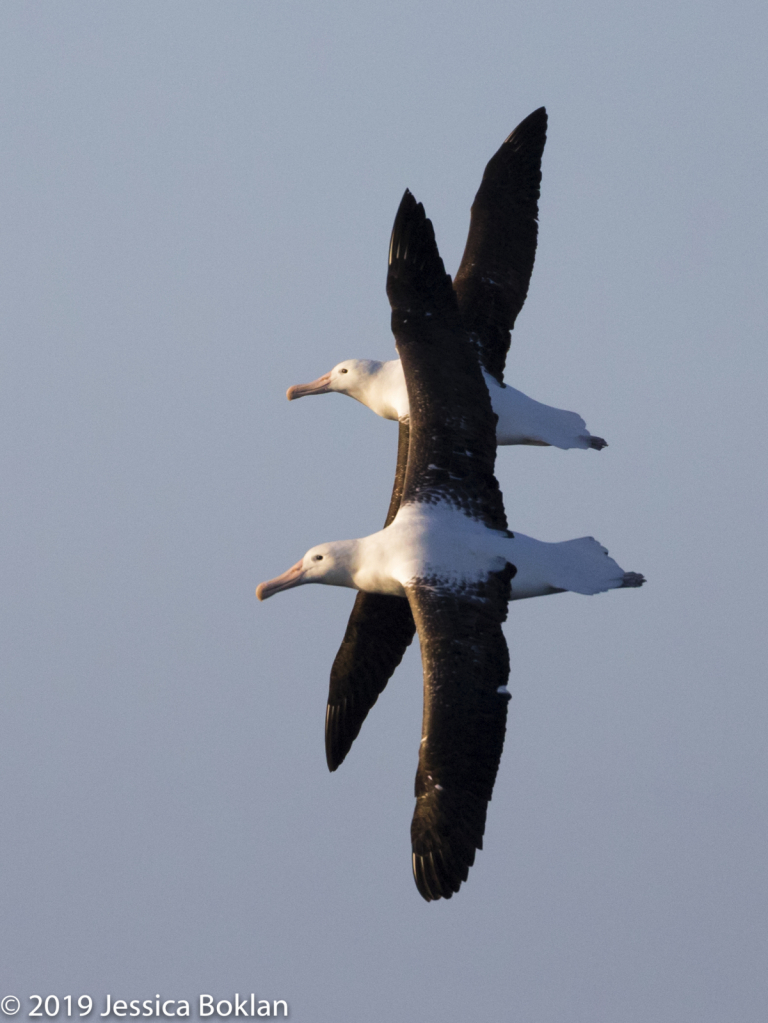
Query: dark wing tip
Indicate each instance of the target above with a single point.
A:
(445, 840)
(495, 271)
(379, 630)
(466, 669)
(334, 751)
(343, 721)
(409, 213)
(632, 579)
(534, 124)
(437, 876)
(416, 274)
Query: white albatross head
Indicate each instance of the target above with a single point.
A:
(350, 377)
(329, 563)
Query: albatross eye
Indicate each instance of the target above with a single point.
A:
(343, 371)
(317, 557)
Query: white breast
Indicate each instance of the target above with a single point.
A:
(426, 540)
(438, 540)
(386, 393)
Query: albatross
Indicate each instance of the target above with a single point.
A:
(449, 553)
(491, 286)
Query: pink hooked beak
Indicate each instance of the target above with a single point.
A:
(319, 386)
(293, 577)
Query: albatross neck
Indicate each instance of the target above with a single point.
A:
(383, 390)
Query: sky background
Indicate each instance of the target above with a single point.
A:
(196, 207)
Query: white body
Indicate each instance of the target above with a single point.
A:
(439, 540)
(381, 386)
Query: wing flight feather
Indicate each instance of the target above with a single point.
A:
(466, 668)
(453, 427)
(495, 271)
(378, 633)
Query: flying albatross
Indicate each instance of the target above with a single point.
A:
(448, 551)
(491, 286)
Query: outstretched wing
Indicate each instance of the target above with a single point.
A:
(466, 667)
(464, 655)
(492, 280)
(453, 427)
(379, 631)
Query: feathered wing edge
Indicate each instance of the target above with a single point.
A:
(495, 271)
(464, 655)
(378, 633)
(466, 669)
(452, 448)
(381, 627)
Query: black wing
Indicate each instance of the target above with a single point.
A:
(453, 427)
(466, 664)
(379, 631)
(450, 459)
(493, 278)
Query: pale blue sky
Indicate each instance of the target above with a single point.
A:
(197, 200)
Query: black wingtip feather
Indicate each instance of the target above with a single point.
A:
(418, 877)
(334, 756)
(632, 579)
(492, 281)
(409, 212)
(437, 876)
(465, 662)
(534, 124)
(378, 633)
(416, 279)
